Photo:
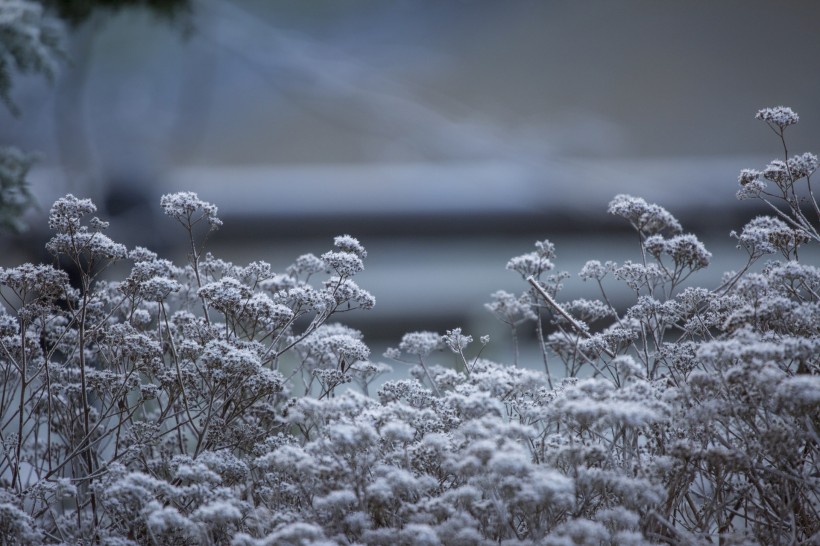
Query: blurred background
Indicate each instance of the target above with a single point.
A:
(448, 136)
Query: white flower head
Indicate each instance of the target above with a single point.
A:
(645, 217)
(183, 205)
(781, 116)
(346, 243)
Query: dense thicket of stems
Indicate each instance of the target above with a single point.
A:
(213, 403)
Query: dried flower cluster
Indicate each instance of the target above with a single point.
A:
(214, 403)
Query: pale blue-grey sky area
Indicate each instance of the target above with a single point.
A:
(540, 88)
(327, 113)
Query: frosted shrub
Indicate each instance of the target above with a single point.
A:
(214, 403)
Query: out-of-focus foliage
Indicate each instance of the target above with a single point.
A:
(77, 11)
(30, 43)
(15, 196)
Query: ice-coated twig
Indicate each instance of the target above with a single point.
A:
(557, 307)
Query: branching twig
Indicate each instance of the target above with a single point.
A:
(560, 310)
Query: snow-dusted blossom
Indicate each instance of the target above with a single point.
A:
(638, 276)
(781, 116)
(528, 264)
(297, 533)
(17, 526)
(751, 189)
(254, 273)
(306, 264)
(332, 378)
(545, 248)
(498, 379)
(183, 205)
(158, 288)
(260, 307)
(29, 279)
(421, 343)
(278, 282)
(798, 277)
(345, 264)
(228, 361)
(588, 310)
(142, 254)
(410, 391)
(767, 235)
(98, 225)
(227, 295)
(534, 263)
(627, 367)
(655, 245)
(803, 165)
(800, 394)
(363, 367)
(151, 278)
(166, 521)
(748, 176)
(331, 342)
(347, 291)
(352, 349)
(596, 402)
(66, 213)
(686, 250)
(455, 340)
(82, 241)
(510, 309)
(648, 308)
(346, 243)
(303, 296)
(777, 171)
(644, 217)
(215, 267)
(365, 372)
(131, 343)
(593, 269)
(692, 298)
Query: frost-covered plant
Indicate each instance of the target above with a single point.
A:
(106, 381)
(213, 403)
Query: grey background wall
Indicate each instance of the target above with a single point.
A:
(447, 136)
